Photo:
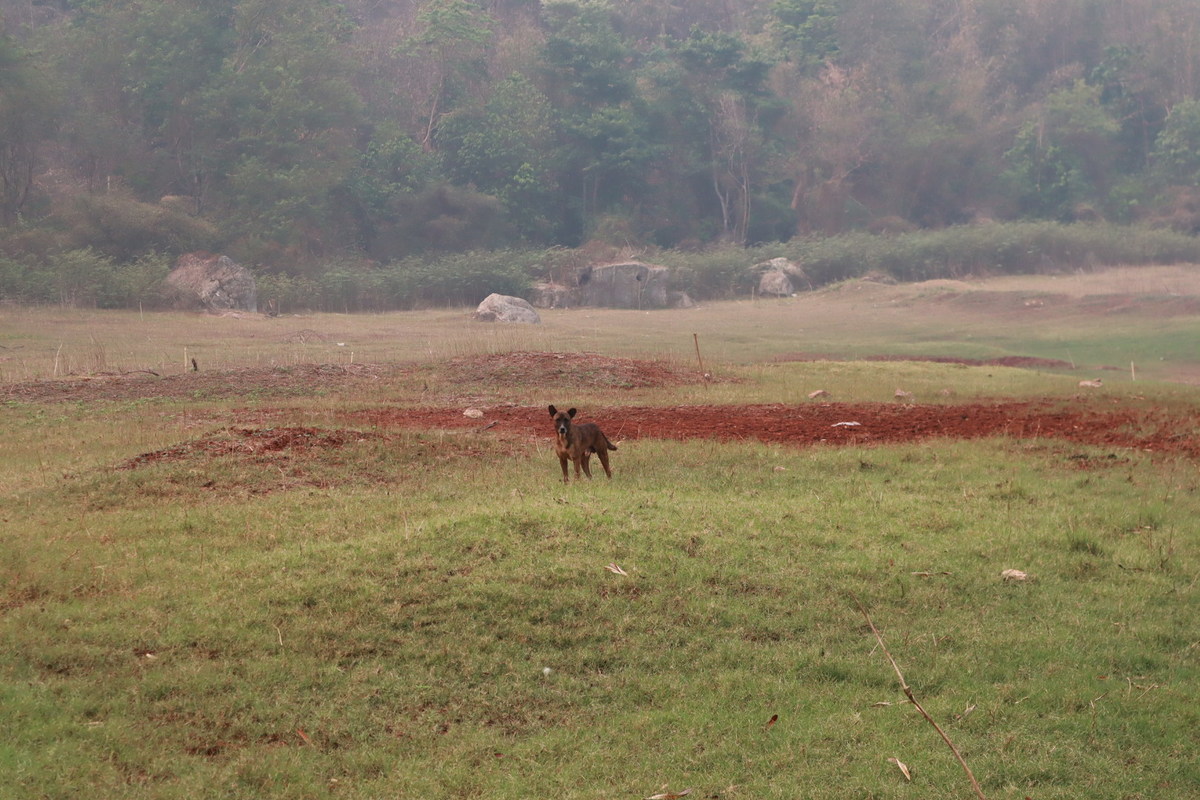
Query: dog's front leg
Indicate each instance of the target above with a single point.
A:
(563, 460)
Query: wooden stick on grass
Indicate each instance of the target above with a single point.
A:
(696, 339)
(909, 694)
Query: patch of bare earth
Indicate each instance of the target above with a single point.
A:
(568, 371)
(1085, 422)
(1020, 362)
(838, 424)
(253, 442)
(300, 379)
(564, 371)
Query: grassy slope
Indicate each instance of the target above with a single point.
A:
(169, 632)
(377, 621)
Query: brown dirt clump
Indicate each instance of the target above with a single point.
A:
(1020, 362)
(253, 442)
(564, 370)
(1086, 422)
(839, 424)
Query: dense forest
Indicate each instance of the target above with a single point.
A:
(303, 134)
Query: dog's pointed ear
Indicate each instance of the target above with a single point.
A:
(571, 413)
(553, 411)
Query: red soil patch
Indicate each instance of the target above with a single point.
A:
(1085, 422)
(1020, 362)
(564, 371)
(253, 442)
(833, 423)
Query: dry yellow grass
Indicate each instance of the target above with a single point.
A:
(1112, 317)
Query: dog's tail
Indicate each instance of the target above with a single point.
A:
(611, 446)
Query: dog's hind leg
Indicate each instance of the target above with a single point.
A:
(585, 461)
(603, 453)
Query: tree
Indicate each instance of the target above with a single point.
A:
(454, 39)
(604, 152)
(726, 86)
(504, 150)
(1176, 154)
(1061, 157)
(834, 130)
(804, 31)
(276, 125)
(27, 119)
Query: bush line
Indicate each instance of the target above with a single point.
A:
(86, 278)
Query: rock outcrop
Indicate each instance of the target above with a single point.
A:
(201, 281)
(505, 308)
(629, 284)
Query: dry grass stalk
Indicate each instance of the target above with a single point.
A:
(909, 694)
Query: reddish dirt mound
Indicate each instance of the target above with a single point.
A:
(564, 370)
(838, 423)
(1021, 362)
(252, 442)
(800, 425)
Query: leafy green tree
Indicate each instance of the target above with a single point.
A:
(605, 150)
(27, 118)
(1176, 154)
(1062, 156)
(453, 41)
(586, 62)
(1045, 181)
(172, 56)
(804, 31)
(502, 150)
(279, 121)
(137, 74)
(1132, 99)
(391, 166)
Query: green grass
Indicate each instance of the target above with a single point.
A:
(377, 620)
(379, 623)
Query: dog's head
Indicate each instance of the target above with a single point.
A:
(562, 419)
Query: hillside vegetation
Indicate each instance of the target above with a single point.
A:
(357, 145)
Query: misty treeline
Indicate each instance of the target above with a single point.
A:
(371, 144)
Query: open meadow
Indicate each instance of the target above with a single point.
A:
(332, 556)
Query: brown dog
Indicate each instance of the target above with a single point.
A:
(577, 443)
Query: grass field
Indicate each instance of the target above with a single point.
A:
(430, 614)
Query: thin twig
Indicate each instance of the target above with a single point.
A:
(909, 694)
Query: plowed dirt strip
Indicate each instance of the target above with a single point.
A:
(835, 423)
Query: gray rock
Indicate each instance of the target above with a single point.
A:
(212, 283)
(551, 295)
(629, 284)
(775, 283)
(505, 308)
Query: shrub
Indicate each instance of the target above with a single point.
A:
(124, 229)
(462, 278)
